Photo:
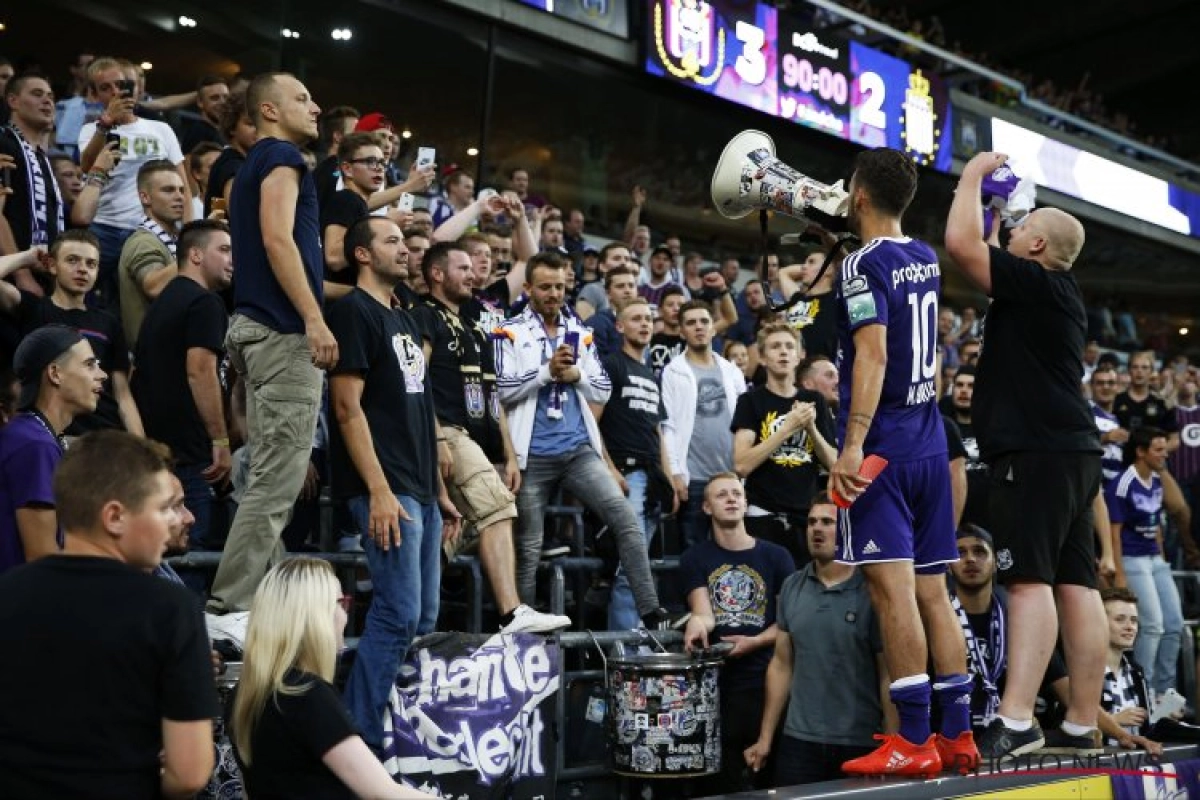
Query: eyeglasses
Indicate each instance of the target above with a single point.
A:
(821, 520)
(346, 601)
(370, 163)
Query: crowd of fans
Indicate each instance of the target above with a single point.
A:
(432, 357)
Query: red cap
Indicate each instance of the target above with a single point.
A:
(373, 122)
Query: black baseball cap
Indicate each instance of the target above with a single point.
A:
(662, 248)
(37, 351)
(969, 529)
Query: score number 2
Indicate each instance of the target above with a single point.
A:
(751, 65)
(872, 90)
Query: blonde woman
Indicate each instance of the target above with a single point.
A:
(291, 734)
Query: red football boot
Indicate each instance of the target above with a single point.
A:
(898, 756)
(958, 754)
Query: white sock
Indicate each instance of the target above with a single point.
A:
(1071, 729)
(1016, 724)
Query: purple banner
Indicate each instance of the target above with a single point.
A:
(472, 717)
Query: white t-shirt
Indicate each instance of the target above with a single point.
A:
(141, 140)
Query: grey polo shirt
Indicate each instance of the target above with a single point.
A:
(835, 638)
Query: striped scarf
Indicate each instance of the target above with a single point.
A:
(989, 674)
(40, 187)
(163, 236)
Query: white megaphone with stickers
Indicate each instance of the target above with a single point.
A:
(750, 178)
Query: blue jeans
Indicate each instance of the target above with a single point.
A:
(585, 475)
(694, 525)
(406, 580)
(106, 293)
(622, 611)
(1160, 628)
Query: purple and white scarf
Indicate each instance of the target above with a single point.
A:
(40, 187)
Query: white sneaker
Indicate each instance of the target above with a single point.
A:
(528, 620)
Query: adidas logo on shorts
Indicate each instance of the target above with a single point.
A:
(870, 548)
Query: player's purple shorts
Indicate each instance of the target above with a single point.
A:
(906, 514)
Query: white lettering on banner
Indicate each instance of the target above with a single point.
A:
(485, 676)
(489, 753)
(475, 687)
(915, 273)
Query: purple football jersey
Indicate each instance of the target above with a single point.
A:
(895, 283)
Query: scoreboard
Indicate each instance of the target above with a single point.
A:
(779, 63)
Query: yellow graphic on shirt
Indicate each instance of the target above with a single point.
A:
(803, 314)
(795, 452)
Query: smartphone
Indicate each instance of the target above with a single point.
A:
(406, 202)
(6, 177)
(126, 87)
(218, 204)
(426, 157)
(571, 340)
(111, 138)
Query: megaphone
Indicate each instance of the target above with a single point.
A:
(750, 178)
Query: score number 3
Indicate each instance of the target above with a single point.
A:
(751, 65)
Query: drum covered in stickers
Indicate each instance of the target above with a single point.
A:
(664, 716)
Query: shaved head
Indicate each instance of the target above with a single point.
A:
(1064, 235)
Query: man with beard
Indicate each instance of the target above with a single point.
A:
(899, 526)
(547, 374)
(959, 408)
(474, 448)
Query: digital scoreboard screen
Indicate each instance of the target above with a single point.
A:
(753, 54)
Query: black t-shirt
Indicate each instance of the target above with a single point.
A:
(383, 346)
(18, 208)
(1028, 393)
(963, 443)
(197, 131)
(816, 319)
(96, 655)
(787, 480)
(325, 176)
(343, 208)
(257, 292)
(1152, 411)
(103, 331)
(490, 306)
(223, 170)
(185, 316)
(462, 375)
(664, 347)
(291, 737)
(633, 413)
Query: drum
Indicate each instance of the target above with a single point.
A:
(664, 714)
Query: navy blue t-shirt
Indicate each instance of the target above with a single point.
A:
(256, 292)
(743, 588)
(894, 282)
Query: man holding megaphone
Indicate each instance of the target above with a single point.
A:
(899, 526)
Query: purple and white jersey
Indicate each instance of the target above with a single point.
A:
(1112, 461)
(1138, 507)
(895, 283)
(1185, 462)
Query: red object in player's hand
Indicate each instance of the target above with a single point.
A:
(871, 467)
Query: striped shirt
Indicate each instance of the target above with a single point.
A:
(1185, 462)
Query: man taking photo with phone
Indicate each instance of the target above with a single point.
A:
(138, 141)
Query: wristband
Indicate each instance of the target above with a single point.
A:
(221, 442)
